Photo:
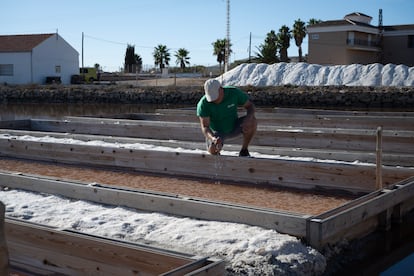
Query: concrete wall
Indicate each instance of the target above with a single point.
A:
(279, 96)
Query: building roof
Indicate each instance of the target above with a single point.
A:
(409, 27)
(358, 14)
(341, 23)
(21, 43)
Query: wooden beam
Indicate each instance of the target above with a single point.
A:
(283, 222)
(267, 135)
(4, 253)
(390, 159)
(359, 216)
(299, 119)
(324, 175)
(73, 253)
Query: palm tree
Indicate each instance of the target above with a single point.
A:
(268, 50)
(220, 50)
(314, 21)
(299, 33)
(182, 58)
(161, 56)
(283, 38)
(138, 62)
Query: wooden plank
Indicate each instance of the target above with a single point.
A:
(327, 175)
(355, 217)
(15, 124)
(339, 139)
(74, 253)
(198, 268)
(283, 222)
(291, 119)
(342, 112)
(249, 170)
(302, 111)
(389, 159)
(4, 254)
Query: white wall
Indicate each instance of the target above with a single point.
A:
(41, 62)
(54, 51)
(21, 67)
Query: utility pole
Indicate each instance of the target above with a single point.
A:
(227, 51)
(250, 48)
(82, 48)
(381, 37)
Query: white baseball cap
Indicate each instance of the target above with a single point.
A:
(211, 88)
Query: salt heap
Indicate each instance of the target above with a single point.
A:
(318, 75)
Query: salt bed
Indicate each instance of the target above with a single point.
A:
(247, 249)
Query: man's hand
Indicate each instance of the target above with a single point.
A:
(216, 145)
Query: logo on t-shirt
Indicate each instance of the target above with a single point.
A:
(230, 105)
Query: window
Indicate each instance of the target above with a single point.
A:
(6, 69)
(57, 69)
(315, 36)
(411, 41)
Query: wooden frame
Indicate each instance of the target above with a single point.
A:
(46, 250)
(354, 219)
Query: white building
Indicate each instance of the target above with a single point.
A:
(26, 59)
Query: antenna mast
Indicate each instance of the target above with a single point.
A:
(381, 37)
(227, 51)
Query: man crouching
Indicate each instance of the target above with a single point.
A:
(217, 111)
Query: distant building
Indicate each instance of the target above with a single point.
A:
(26, 59)
(354, 40)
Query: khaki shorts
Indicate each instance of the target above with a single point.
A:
(237, 130)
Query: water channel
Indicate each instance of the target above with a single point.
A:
(381, 253)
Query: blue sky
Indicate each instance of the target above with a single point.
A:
(191, 24)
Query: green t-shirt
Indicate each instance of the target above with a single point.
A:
(223, 116)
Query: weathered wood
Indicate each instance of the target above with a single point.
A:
(361, 215)
(4, 253)
(323, 175)
(379, 159)
(284, 222)
(290, 119)
(73, 253)
(390, 159)
(267, 135)
(301, 111)
(351, 220)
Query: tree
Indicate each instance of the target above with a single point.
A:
(299, 33)
(182, 58)
(133, 62)
(220, 50)
(313, 21)
(283, 38)
(268, 50)
(138, 63)
(161, 56)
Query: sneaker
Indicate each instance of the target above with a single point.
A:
(244, 153)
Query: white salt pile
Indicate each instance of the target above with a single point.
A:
(318, 75)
